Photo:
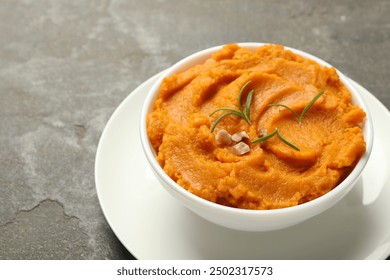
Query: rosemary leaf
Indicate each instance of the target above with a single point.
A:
(285, 106)
(248, 107)
(308, 106)
(240, 95)
(226, 109)
(264, 138)
(240, 113)
(285, 141)
(236, 113)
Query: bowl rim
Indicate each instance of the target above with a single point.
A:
(336, 193)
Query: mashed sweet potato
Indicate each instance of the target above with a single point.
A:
(272, 174)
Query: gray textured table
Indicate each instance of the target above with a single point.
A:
(66, 65)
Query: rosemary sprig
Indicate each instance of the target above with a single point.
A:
(241, 112)
(244, 112)
(307, 107)
(276, 132)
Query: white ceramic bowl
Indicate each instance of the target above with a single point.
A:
(243, 219)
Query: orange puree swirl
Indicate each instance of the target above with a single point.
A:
(272, 175)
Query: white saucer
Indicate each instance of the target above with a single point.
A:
(152, 225)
